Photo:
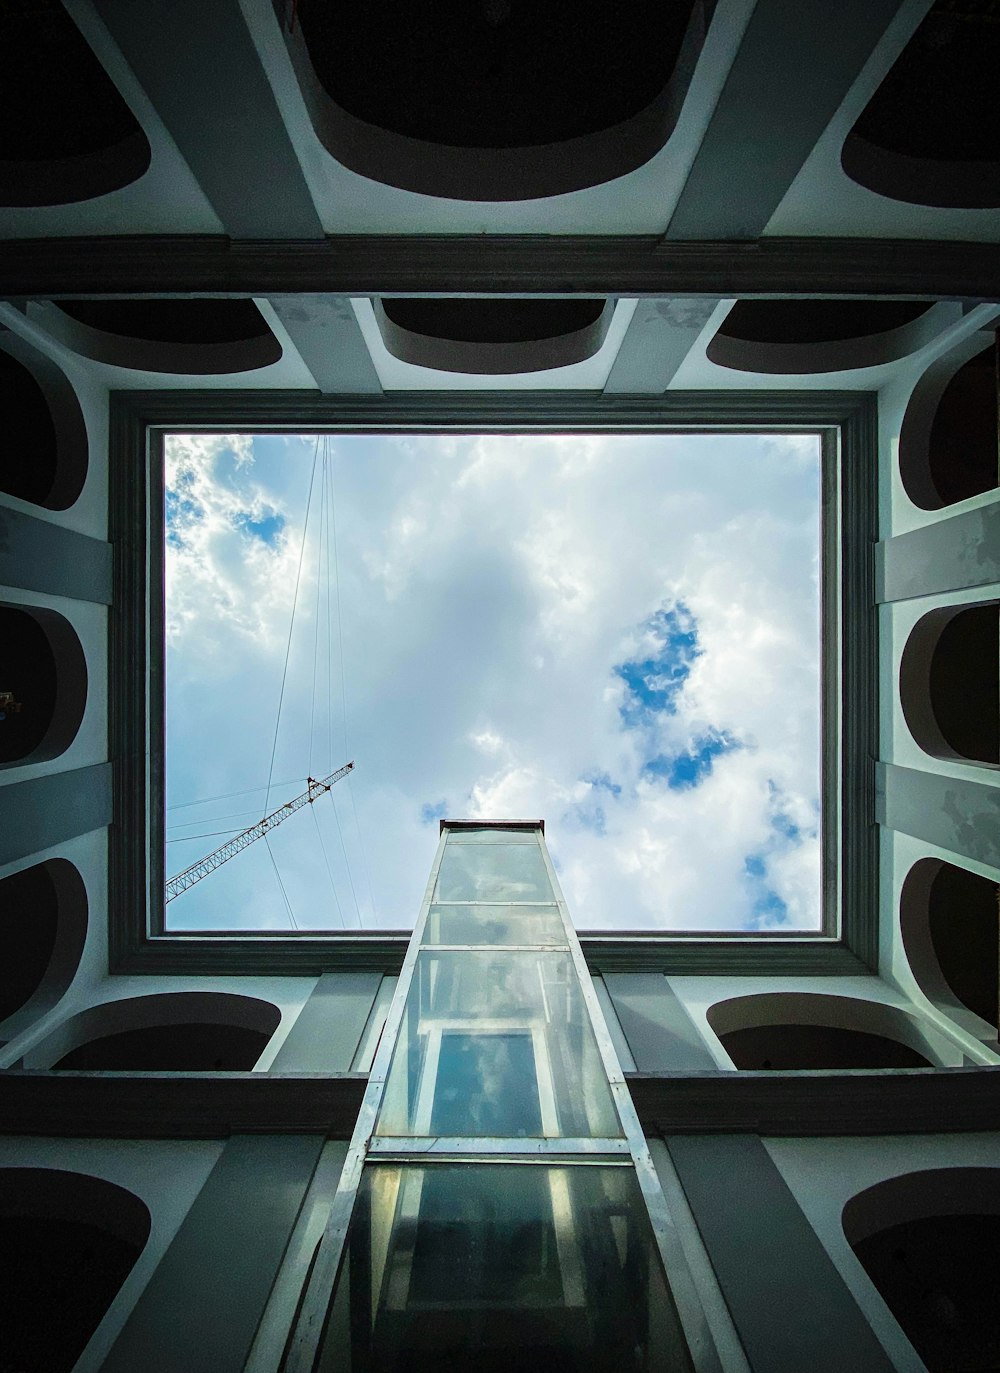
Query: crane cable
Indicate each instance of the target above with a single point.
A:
(332, 529)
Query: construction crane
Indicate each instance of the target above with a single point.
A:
(314, 790)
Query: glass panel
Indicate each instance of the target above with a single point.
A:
(497, 1044)
(493, 872)
(489, 1268)
(494, 925)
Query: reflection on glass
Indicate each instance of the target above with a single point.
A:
(487, 1267)
(493, 872)
(498, 1044)
(494, 925)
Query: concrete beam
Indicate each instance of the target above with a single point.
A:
(659, 337)
(199, 67)
(43, 811)
(37, 555)
(955, 814)
(951, 554)
(797, 62)
(329, 340)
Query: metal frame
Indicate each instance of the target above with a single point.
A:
(365, 1147)
(137, 940)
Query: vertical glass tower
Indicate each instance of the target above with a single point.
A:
(498, 1208)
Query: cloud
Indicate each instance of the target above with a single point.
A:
(616, 634)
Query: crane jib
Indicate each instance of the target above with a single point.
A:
(315, 787)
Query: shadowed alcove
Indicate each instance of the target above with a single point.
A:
(44, 687)
(950, 925)
(67, 1243)
(166, 1032)
(949, 682)
(490, 337)
(44, 454)
(43, 926)
(930, 1242)
(804, 336)
(207, 336)
(948, 444)
(929, 134)
(804, 1030)
(498, 99)
(66, 134)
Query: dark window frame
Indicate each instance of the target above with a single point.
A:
(138, 941)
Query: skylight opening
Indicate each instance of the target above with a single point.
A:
(618, 632)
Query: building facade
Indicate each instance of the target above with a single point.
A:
(764, 1153)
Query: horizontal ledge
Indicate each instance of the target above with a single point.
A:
(284, 956)
(215, 1105)
(179, 1106)
(497, 264)
(862, 1102)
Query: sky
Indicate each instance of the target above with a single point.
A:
(616, 633)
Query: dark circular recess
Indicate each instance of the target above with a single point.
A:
(29, 919)
(66, 134)
(963, 921)
(202, 1047)
(493, 73)
(67, 1243)
(171, 321)
(43, 690)
(30, 676)
(45, 452)
(817, 321)
(43, 926)
(963, 446)
(949, 682)
(940, 1278)
(930, 135)
(492, 321)
(965, 683)
(30, 447)
(785, 1047)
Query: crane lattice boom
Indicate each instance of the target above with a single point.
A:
(224, 852)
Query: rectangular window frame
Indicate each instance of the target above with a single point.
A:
(139, 420)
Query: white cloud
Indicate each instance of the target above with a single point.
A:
(489, 588)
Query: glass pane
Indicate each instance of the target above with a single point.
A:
(491, 835)
(496, 1044)
(493, 872)
(494, 925)
(496, 1267)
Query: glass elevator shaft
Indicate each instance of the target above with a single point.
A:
(498, 1206)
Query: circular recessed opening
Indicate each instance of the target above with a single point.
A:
(802, 336)
(930, 1243)
(817, 321)
(948, 444)
(929, 134)
(493, 321)
(45, 451)
(166, 1032)
(43, 690)
(43, 925)
(496, 99)
(949, 682)
(949, 924)
(488, 336)
(195, 336)
(493, 73)
(789, 1031)
(66, 134)
(67, 1243)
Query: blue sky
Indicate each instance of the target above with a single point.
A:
(618, 634)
